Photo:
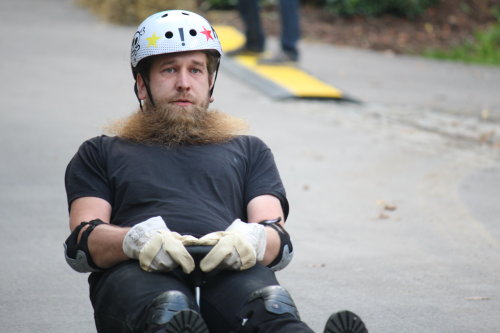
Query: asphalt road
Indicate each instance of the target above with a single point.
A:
(395, 203)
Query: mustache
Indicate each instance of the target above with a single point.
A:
(185, 97)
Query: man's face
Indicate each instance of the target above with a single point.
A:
(180, 79)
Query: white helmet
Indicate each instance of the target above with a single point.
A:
(173, 31)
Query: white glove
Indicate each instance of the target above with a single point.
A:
(239, 247)
(157, 248)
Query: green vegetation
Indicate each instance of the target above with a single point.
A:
(484, 49)
(405, 8)
(222, 4)
(133, 11)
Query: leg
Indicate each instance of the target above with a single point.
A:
(250, 13)
(249, 301)
(290, 27)
(125, 297)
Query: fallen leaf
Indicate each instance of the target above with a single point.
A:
(386, 206)
(477, 298)
(390, 207)
(429, 28)
(485, 114)
(486, 136)
(383, 216)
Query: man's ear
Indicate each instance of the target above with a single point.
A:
(141, 88)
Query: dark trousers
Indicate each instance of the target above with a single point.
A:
(290, 25)
(121, 294)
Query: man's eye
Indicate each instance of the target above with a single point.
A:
(195, 70)
(168, 70)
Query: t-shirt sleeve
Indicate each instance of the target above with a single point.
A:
(263, 176)
(86, 173)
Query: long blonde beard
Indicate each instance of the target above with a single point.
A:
(173, 125)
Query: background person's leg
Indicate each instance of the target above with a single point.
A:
(290, 27)
(250, 13)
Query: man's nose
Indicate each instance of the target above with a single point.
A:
(183, 80)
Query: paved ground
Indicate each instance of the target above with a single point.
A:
(424, 146)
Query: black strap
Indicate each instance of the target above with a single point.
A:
(284, 238)
(83, 244)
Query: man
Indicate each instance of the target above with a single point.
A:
(177, 175)
(255, 36)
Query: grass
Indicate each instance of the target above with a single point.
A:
(484, 49)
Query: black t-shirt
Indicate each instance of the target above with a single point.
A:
(197, 189)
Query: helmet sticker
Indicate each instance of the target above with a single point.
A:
(135, 42)
(215, 34)
(181, 32)
(207, 33)
(152, 40)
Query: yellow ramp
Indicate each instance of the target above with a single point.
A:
(286, 80)
(230, 38)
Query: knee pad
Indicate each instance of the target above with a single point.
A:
(171, 308)
(266, 304)
(276, 299)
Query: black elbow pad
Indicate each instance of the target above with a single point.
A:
(286, 249)
(77, 253)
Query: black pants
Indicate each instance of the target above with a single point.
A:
(122, 293)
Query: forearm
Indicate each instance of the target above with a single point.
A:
(262, 208)
(105, 241)
(273, 245)
(105, 245)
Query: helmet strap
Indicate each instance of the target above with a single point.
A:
(215, 78)
(146, 83)
(137, 95)
(136, 90)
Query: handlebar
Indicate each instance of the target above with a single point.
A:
(198, 252)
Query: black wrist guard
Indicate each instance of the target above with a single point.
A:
(77, 253)
(286, 248)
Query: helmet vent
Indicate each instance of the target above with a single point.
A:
(169, 34)
(193, 32)
(164, 15)
(185, 14)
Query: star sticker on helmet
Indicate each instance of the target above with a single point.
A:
(152, 40)
(207, 33)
